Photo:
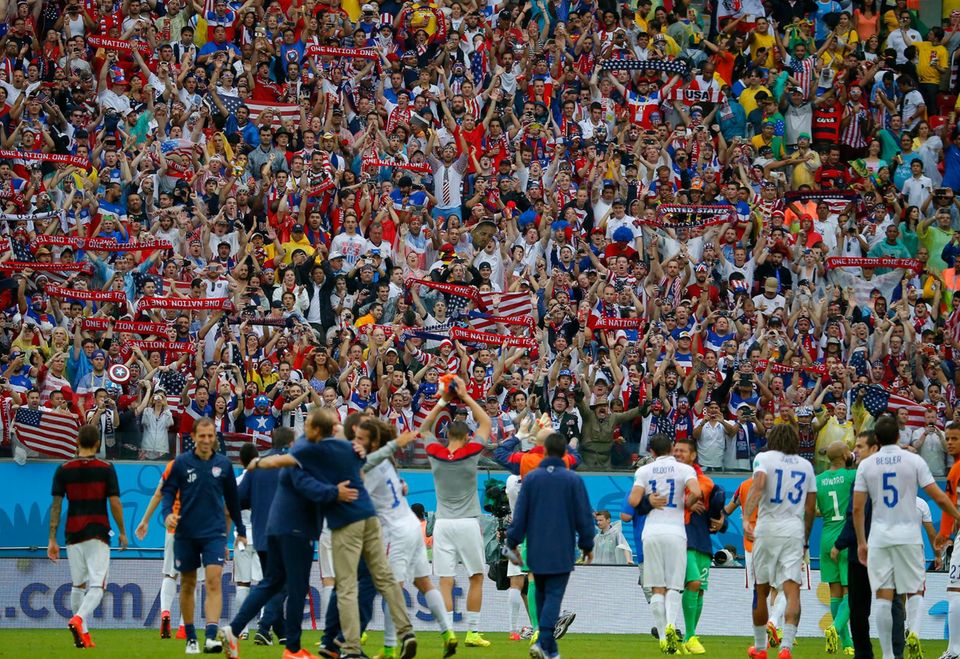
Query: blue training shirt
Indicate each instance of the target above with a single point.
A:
(205, 487)
(333, 461)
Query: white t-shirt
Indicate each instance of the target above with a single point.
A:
(669, 478)
(711, 445)
(789, 480)
(891, 477)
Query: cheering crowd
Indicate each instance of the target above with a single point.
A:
(703, 222)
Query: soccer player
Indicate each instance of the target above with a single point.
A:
(204, 482)
(88, 483)
(670, 484)
(246, 561)
(407, 552)
(784, 493)
(946, 534)
(703, 517)
(890, 479)
(168, 587)
(834, 487)
(456, 533)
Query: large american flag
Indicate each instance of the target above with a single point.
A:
(48, 432)
(281, 111)
(500, 304)
(232, 441)
(878, 400)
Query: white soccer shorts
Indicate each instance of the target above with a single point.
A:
(325, 553)
(169, 566)
(457, 541)
(748, 569)
(406, 552)
(778, 560)
(664, 562)
(900, 567)
(89, 562)
(246, 565)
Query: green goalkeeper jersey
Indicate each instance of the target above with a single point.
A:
(834, 488)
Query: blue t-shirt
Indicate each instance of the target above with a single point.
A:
(333, 461)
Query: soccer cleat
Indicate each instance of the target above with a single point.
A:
(664, 646)
(754, 653)
(514, 636)
(408, 646)
(262, 638)
(449, 643)
(946, 655)
(832, 639)
(534, 636)
(87, 641)
(773, 635)
(329, 653)
(244, 636)
(536, 652)
(564, 621)
(385, 653)
(212, 645)
(181, 633)
(231, 647)
(476, 640)
(913, 649)
(850, 652)
(785, 654)
(526, 633)
(363, 638)
(672, 639)
(694, 646)
(193, 647)
(299, 654)
(165, 624)
(76, 628)
(655, 633)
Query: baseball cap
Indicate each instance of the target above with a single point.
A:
(297, 228)
(98, 354)
(683, 335)
(565, 371)
(335, 255)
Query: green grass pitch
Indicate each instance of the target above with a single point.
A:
(146, 644)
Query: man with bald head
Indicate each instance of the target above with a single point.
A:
(833, 494)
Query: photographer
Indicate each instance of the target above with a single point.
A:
(156, 420)
(104, 416)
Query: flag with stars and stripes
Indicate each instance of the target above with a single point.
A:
(231, 103)
(878, 400)
(47, 432)
(281, 111)
(232, 441)
(675, 66)
(500, 304)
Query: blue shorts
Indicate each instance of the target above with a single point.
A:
(190, 553)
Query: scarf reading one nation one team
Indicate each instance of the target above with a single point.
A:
(213, 303)
(489, 338)
(60, 158)
(63, 293)
(102, 244)
(19, 266)
(863, 262)
(131, 326)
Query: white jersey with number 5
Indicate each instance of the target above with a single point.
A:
(892, 477)
(790, 479)
(668, 478)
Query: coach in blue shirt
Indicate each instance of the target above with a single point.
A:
(552, 513)
(205, 483)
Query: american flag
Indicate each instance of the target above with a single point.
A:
(281, 111)
(878, 400)
(177, 147)
(232, 441)
(501, 304)
(952, 327)
(231, 103)
(47, 432)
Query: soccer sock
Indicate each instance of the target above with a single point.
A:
(760, 637)
(699, 606)
(690, 598)
(516, 603)
(190, 630)
(325, 594)
(659, 611)
(789, 634)
(883, 619)
(473, 621)
(168, 592)
(210, 631)
(842, 622)
(448, 616)
(242, 592)
(532, 603)
(776, 611)
(953, 621)
(672, 606)
(91, 600)
(834, 605)
(914, 613)
(389, 631)
(76, 599)
(439, 611)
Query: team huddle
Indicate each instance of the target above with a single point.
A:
(341, 479)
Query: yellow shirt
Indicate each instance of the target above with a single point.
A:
(927, 52)
(850, 41)
(748, 98)
(292, 245)
(763, 41)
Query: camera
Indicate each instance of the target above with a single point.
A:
(495, 499)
